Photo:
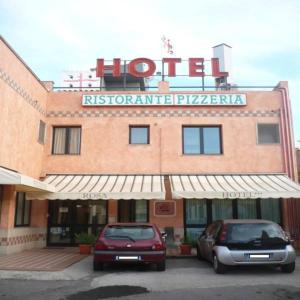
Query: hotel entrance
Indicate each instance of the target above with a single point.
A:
(133, 211)
(69, 217)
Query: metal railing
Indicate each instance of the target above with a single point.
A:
(171, 88)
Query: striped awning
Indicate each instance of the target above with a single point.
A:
(233, 186)
(23, 183)
(105, 187)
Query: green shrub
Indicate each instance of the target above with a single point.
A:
(188, 240)
(85, 238)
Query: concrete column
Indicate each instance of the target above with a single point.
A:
(112, 211)
(39, 213)
(163, 87)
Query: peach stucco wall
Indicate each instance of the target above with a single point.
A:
(105, 140)
(19, 121)
(22, 105)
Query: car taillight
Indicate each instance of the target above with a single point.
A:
(223, 235)
(158, 247)
(100, 246)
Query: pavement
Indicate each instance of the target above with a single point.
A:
(45, 259)
(186, 278)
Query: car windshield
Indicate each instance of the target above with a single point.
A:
(252, 232)
(129, 232)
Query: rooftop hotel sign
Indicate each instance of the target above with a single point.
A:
(195, 65)
(164, 100)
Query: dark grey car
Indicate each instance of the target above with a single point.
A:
(246, 242)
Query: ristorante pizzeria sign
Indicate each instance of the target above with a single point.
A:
(164, 100)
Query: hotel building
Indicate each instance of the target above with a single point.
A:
(73, 160)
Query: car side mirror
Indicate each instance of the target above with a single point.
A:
(164, 235)
(288, 235)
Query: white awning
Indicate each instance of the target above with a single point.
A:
(233, 186)
(103, 187)
(22, 182)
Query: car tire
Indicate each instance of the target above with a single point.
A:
(199, 255)
(161, 266)
(219, 268)
(98, 266)
(289, 268)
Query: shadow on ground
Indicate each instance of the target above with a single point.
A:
(108, 292)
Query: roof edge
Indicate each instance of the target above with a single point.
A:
(22, 61)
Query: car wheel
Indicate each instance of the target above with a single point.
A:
(289, 268)
(98, 266)
(199, 255)
(161, 266)
(219, 268)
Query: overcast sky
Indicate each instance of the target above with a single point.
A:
(57, 35)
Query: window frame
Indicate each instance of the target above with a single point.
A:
(265, 144)
(23, 224)
(132, 209)
(139, 126)
(42, 141)
(67, 144)
(201, 139)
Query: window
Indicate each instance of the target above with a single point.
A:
(221, 209)
(201, 140)
(247, 208)
(133, 211)
(141, 211)
(270, 210)
(139, 135)
(66, 140)
(268, 134)
(138, 232)
(251, 231)
(23, 210)
(195, 217)
(42, 129)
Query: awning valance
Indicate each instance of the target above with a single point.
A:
(105, 187)
(233, 186)
(22, 182)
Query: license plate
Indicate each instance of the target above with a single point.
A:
(259, 255)
(128, 258)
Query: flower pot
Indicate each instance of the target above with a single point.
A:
(85, 249)
(186, 249)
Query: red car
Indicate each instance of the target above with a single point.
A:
(130, 243)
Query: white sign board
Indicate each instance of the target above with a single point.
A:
(164, 100)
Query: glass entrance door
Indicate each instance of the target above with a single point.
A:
(195, 217)
(66, 218)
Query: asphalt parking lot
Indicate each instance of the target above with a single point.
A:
(183, 279)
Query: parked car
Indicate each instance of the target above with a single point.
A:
(246, 242)
(130, 243)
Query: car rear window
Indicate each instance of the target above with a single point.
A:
(249, 232)
(132, 232)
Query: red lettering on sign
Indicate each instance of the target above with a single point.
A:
(171, 65)
(215, 68)
(164, 208)
(116, 67)
(196, 64)
(133, 64)
(196, 67)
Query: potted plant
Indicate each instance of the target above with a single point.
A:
(186, 246)
(85, 241)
